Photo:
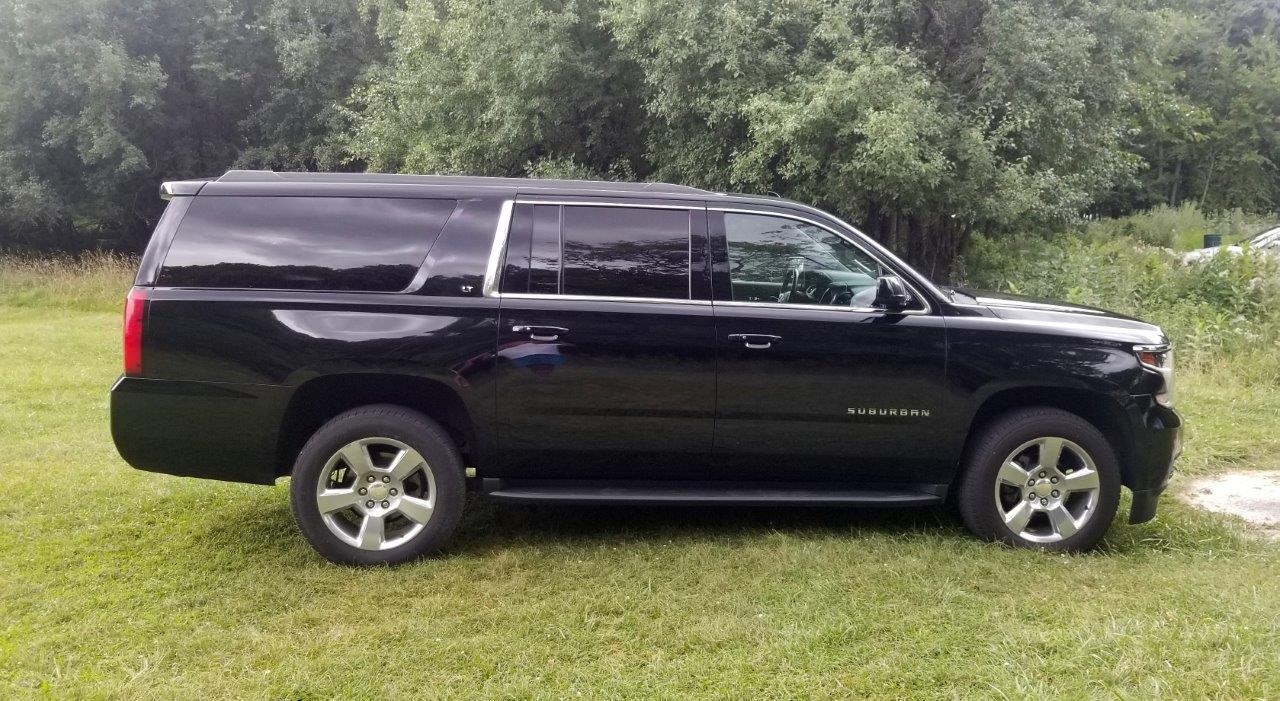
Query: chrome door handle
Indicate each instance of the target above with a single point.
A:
(755, 341)
(541, 333)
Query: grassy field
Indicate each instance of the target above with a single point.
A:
(117, 583)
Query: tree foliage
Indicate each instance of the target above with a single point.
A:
(102, 99)
(922, 121)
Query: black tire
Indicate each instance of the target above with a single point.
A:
(383, 421)
(979, 499)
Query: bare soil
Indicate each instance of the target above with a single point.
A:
(1253, 496)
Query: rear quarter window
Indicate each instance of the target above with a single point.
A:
(303, 243)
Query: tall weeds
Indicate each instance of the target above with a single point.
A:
(95, 281)
(1226, 308)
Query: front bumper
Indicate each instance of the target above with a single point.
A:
(1157, 441)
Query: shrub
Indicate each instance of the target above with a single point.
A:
(1226, 305)
(1181, 228)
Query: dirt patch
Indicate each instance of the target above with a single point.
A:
(1253, 496)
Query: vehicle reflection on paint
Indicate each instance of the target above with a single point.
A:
(540, 358)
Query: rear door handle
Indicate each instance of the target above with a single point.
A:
(541, 333)
(755, 341)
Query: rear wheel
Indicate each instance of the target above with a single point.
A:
(1041, 478)
(378, 485)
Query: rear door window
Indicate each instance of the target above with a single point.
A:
(626, 252)
(599, 251)
(533, 251)
(303, 243)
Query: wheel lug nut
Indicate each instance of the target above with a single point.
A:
(1031, 483)
(386, 479)
(1042, 473)
(1054, 494)
(1054, 480)
(1044, 502)
(386, 504)
(369, 503)
(363, 490)
(369, 478)
(1032, 496)
(393, 491)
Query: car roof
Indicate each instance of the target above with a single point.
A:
(540, 184)
(271, 183)
(384, 184)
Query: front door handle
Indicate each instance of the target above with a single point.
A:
(755, 341)
(541, 333)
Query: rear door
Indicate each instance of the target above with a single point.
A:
(606, 348)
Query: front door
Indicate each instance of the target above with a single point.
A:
(606, 345)
(815, 384)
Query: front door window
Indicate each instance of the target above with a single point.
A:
(774, 259)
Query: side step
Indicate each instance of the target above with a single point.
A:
(710, 493)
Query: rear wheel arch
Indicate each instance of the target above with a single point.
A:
(1099, 409)
(322, 398)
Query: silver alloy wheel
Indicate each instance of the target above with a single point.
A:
(376, 493)
(1047, 489)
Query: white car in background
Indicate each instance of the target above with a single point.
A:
(1268, 242)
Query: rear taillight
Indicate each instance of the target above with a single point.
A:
(135, 308)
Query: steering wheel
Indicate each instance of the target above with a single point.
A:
(836, 295)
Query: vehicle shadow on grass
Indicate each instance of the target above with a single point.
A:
(488, 525)
(489, 528)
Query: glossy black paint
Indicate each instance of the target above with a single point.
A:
(627, 391)
(611, 390)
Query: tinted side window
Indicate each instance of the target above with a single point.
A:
(533, 250)
(625, 252)
(773, 259)
(303, 243)
(544, 250)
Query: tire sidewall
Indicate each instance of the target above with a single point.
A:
(1001, 437)
(409, 427)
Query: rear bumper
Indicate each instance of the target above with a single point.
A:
(1157, 441)
(213, 430)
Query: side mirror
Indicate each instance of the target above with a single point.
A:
(891, 293)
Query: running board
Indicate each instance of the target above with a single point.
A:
(710, 493)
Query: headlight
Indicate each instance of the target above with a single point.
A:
(1160, 359)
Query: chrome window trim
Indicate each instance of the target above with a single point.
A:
(592, 203)
(498, 250)
(604, 298)
(906, 280)
(827, 308)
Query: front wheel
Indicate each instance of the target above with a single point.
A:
(1041, 478)
(379, 484)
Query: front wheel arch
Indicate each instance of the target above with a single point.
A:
(1074, 492)
(1098, 408)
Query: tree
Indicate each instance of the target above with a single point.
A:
(1209, 129)
(494, 88)
(102, 99)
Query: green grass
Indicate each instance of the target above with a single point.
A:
(118, 583)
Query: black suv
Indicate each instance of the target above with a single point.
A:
(390, 340)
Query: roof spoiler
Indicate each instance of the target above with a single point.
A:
(180, 188)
